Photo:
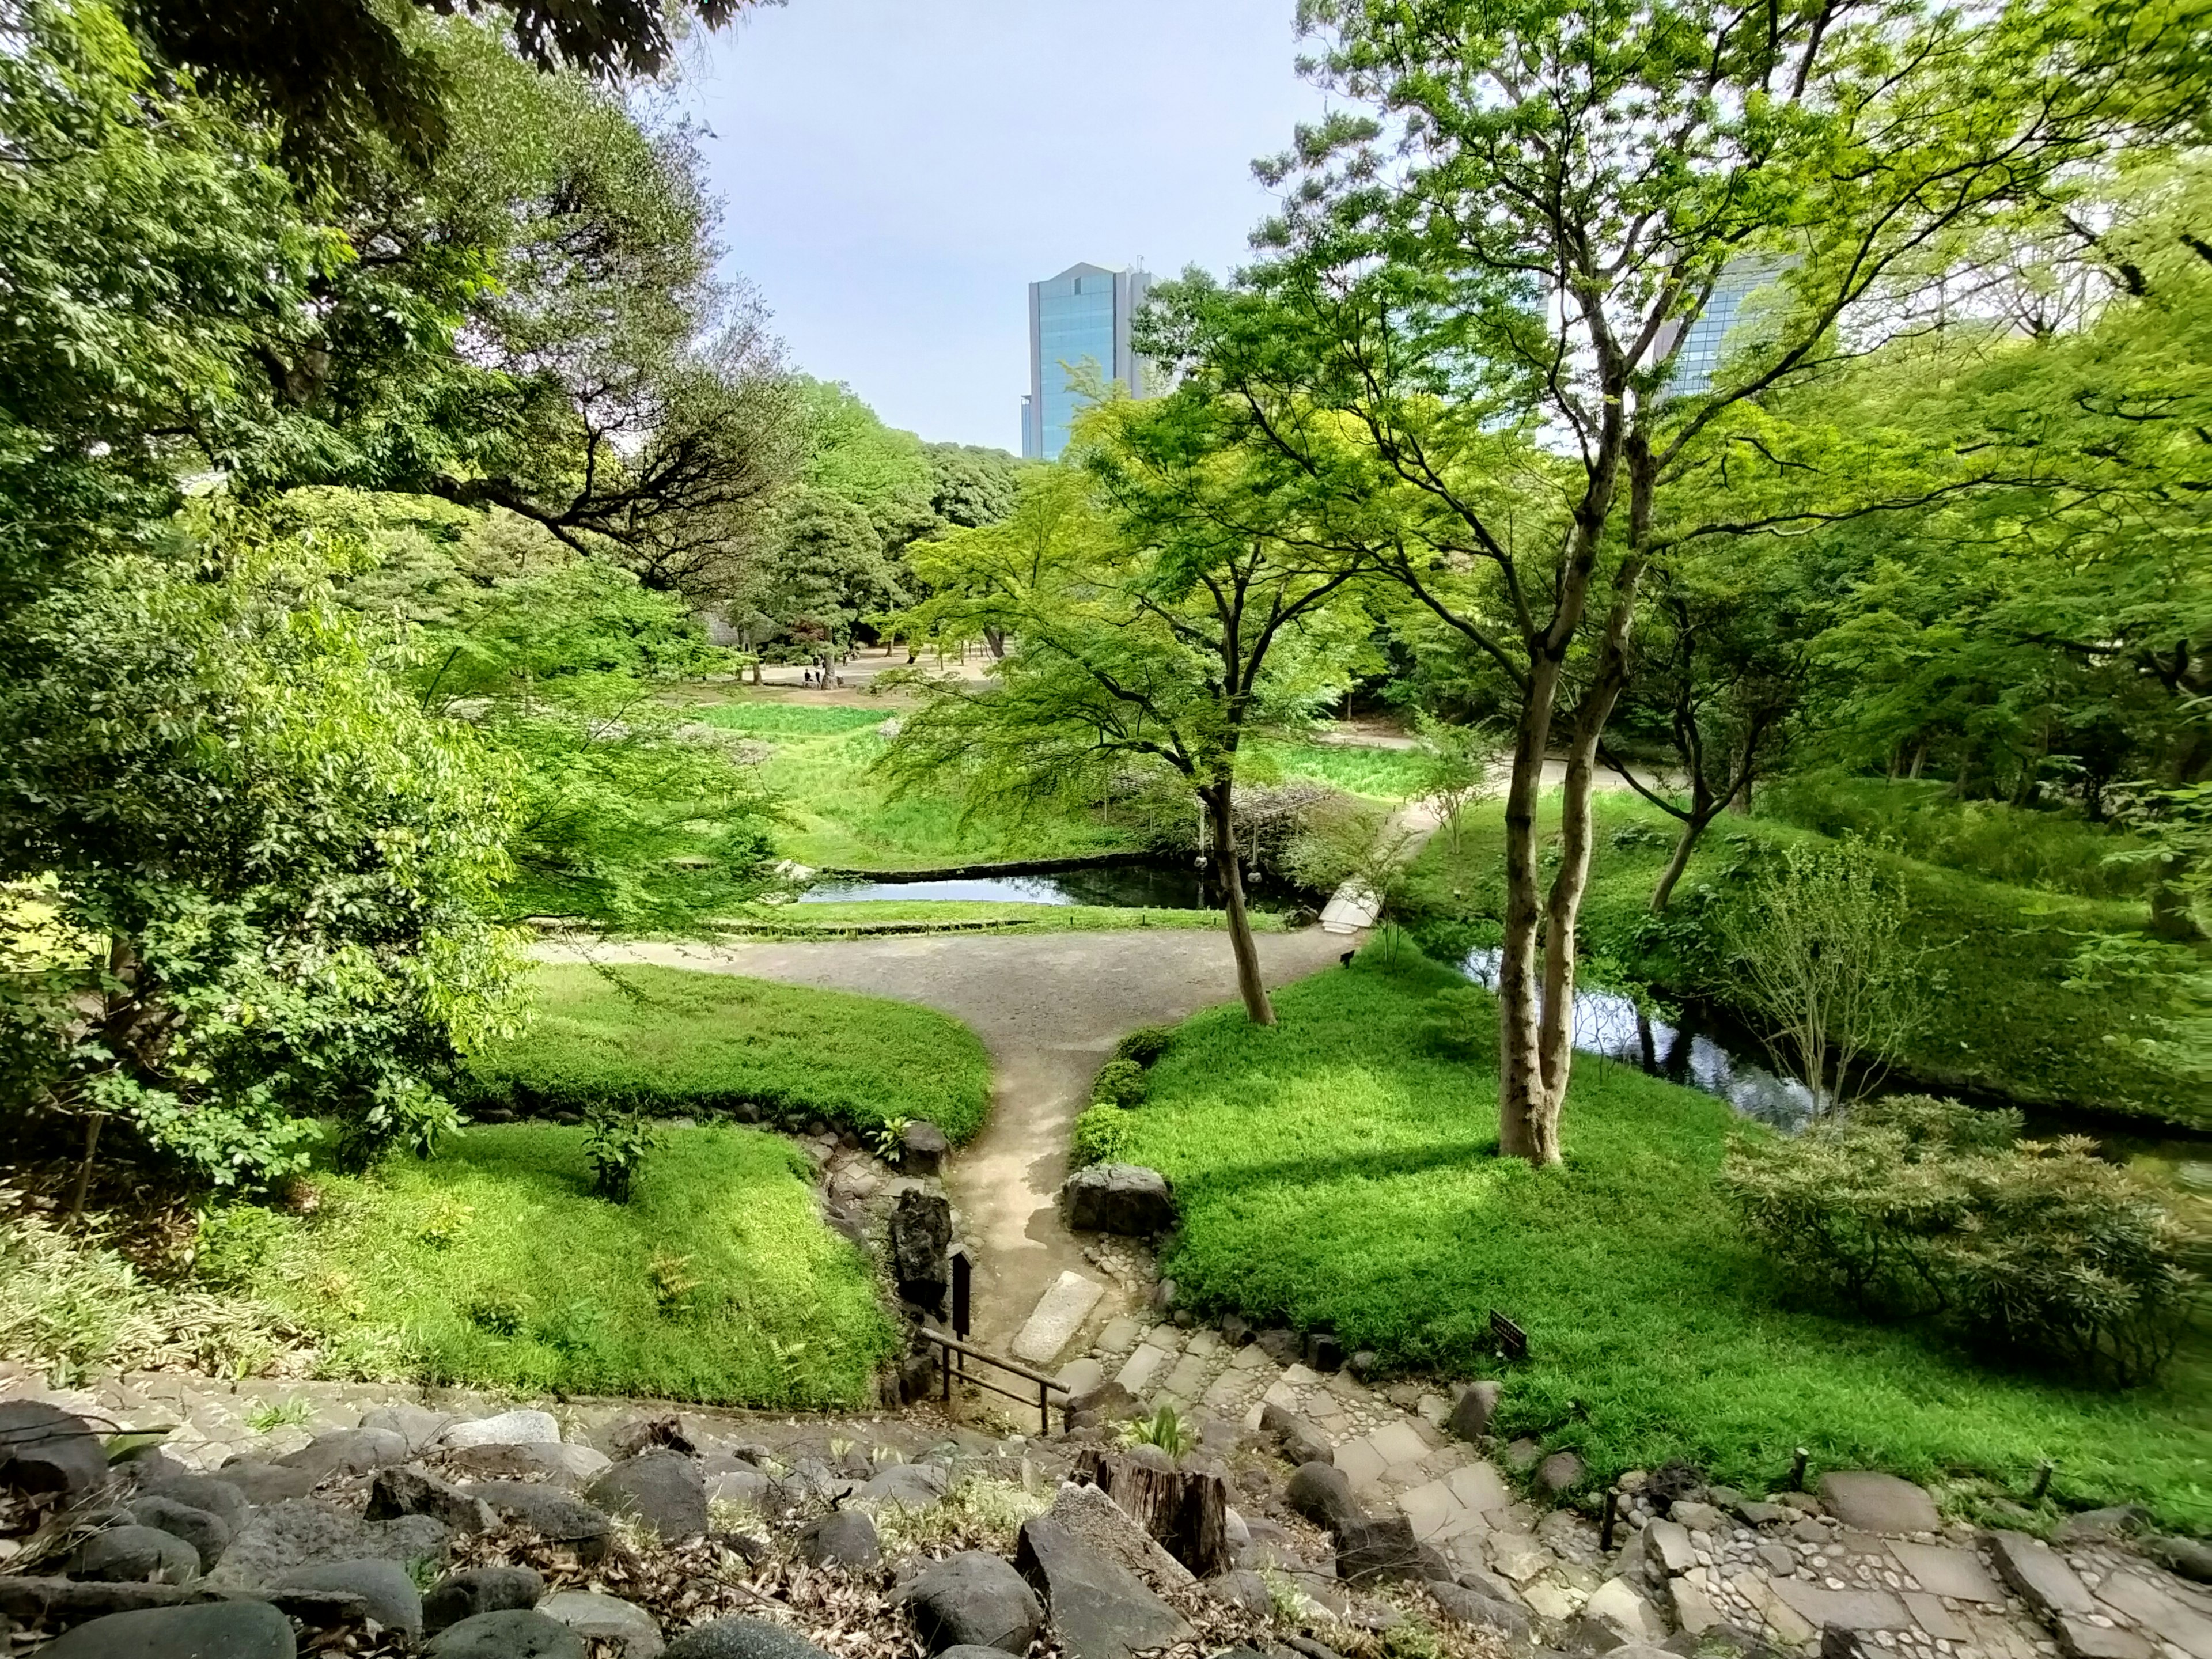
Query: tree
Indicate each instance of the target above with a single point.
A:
(1157, 624)
(1493, 278)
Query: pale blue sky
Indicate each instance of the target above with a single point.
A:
(894, 174)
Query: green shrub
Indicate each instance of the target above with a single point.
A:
(1145, 1045)
(1103, 1135)
(1120, 1082)
(616, 1139)
(498, 1313)
(1925, 1207)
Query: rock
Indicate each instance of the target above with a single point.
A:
(1323, 1493)
(1279, 1345)
(1697, 1517)
(259, 1482)
(1109, 1402)
(1099, 1608)
(606, 1618)
(921, 1237)
(347, 1452)
(741, 1639)
(548, 1511)
(1472, 1411)
(208, 1532)
(1619, 1610)
(1385, 1550)
(155, 1474)
(410, 1491)
(1364, 1364)
(974, 1599)
(909, 1485)
(747, 1487)
(2080, 1639)
(418, 1425)
(922, 1149)
(33, 1600)
(1522, 1455)
(1878, 1503)
(1120, 1198)
(572, 1466)
(1667, 1549)
(2185, 1558)
(2040, 1576)
(1479, 1612)
(1301, 1441)
(1092, 1516)
(390, 1593)
(207, 1629)
(1694, 1609)
(1560, 1473)
(846, 1537)
(1323, 1352)
(134, 1555)
(2151, 1609)
(1243, 1588)
(664, 1489)
(302, 1533)
(512, 1635)
(515, 1428)
(2100, 1526)
(463, 1594)
(46, 1451)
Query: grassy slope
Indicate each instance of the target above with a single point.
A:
(2002, 1021)
(414, 1269)
(1338, 1168)
(1386, 775)
(677, 1042)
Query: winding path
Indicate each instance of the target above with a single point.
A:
(1049, 1008)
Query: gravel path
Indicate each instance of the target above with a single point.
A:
(1049, 1008)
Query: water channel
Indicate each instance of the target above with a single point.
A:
(1148, 885)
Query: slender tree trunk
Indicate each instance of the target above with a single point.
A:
(1692, 828)
(1221, 822)
(84, 1168)
(1527, 1118)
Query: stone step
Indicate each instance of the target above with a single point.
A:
(1057, 1316)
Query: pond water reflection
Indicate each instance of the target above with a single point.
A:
(1151, 884)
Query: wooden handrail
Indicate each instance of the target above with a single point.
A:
(992, 1359)
(1045, 1385)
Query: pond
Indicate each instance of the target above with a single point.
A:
(1720, 1058)
(1147, 885)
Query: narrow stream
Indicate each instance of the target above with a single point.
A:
(1151, 885)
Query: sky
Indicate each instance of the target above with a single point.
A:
(893, 175)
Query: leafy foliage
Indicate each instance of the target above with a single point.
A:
(1919, 1205)
(1103, 1133)
(1120, 1082)
(617, 1140)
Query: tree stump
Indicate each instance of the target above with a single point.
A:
(1185, 1510)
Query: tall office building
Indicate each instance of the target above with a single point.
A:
(1082, 315)
(1700, 356)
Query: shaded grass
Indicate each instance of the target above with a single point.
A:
(2002, 1020)
(493, 1265)
(1341, 1167)
(1387, 775)
(674, 1042)
(843, 918)
(767, 719)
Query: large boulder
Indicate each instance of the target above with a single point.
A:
(384, 1587)
(1301, 1441)
(1472, 1411)
(664, 1489)
(555, 1460)
(550, 1513)
(155, 1472)
(1120, 1198)
(845, 1538)
(347, 1452)
(46, 1451)
(257, 1481)
(134, 1555)
(907, 1485)
(921, 1240)
(207, 1629)
(1091, 1514)
(304, 1533)
(514, 1635)
(923, 1148)
(1478, 1610)
(1381, 1550)
(513, 1428)
(464, 1594)
(1873, 1501)
(741, 1639)
(974, 1599)
(1099, 1608)
(606, 1619)
(409, 1491)
(418, 1425)
(1323, 1493)
(208, 1532)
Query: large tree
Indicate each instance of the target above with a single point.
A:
(1543, 202)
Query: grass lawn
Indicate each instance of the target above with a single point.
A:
(494, 1265)
(2003, 1020)
(677, 1042)
(1385, 774)
(1341, 1167)
(844, 920)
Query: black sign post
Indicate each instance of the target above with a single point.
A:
(1512, 1340)
(961, 1274)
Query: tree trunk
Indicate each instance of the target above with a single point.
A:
(1222, 823)
(1527, 1118)
(1185, 1510)
(1692, 827)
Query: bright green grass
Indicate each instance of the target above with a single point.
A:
(835, 919)
(674, 1042)
(792, 719)
(493, 1265)
(2003, 1020)
(1341, 1167)
(1389, 774)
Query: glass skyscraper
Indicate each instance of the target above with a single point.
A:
(1083, 316)
(1700, 356)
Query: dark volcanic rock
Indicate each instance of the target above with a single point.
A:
(45, 1450)
(347, 1452)
(383, 1586)
(461, 1595)
(136, 1555)
(303, 1533)
(921, 1238)
(664, 1489)
(1099, 1608)
(547, 1510)
(1373, 1551)
(1302, 1442)
(410, 1491)
(974, 1599)
(517, 1635)
(1120, 1198)
(846, 1537)
(208, 1532)
(1471, 1415)
(1323, 1493)
(741, 1639)
(266, 1483)
(923, 1148)
(209, 1630)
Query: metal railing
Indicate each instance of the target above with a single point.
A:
(953, 1356)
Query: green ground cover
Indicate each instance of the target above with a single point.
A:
(2003, 1020)
(1386, 775)
(493, 1265)
(842, 919)
(678, 1043)
(1341, 1167)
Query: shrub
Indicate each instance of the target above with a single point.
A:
(1145, 1045)
(1121, 1082)
(616, 1139)
(1929, 1208)
(1103, 1135)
